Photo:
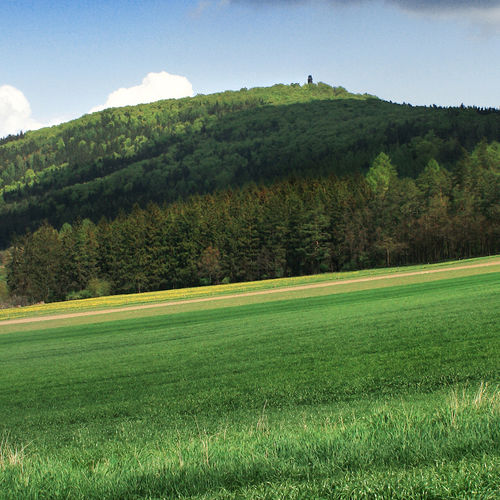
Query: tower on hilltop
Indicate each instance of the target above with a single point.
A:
(309, 79)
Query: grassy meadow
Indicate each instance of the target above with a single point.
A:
(389, 392)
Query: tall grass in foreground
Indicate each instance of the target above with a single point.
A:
(444, 445)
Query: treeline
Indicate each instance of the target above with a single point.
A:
(292, 227)
(166, 151)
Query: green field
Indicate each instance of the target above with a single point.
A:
(374, 393)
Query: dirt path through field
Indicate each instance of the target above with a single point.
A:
(242, 294)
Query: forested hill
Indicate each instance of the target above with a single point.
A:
(106, 162)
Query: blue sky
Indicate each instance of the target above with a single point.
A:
(61, 59)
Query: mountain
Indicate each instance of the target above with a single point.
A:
(104, 163)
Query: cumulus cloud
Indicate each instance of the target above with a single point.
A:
(15, 112)
(16, 115)
(154, 86)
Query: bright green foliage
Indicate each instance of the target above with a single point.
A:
(435, 180)
(305, 398)
(381, 174)
(108, 161)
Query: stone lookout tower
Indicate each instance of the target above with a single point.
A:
(309, 79)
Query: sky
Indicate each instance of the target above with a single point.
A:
(60, 59)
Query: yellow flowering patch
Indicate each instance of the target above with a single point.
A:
(115, 301)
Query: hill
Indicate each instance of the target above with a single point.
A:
(106, 162)
(290, 395)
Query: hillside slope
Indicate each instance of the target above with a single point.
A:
(105, 162)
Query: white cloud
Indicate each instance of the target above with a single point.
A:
(154, 86)
(15, 112)
(15, 109)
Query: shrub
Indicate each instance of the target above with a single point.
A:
(95, 288)
(82, 294)
(98, 287)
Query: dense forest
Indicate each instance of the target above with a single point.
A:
(286, 228)
(165, 152)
